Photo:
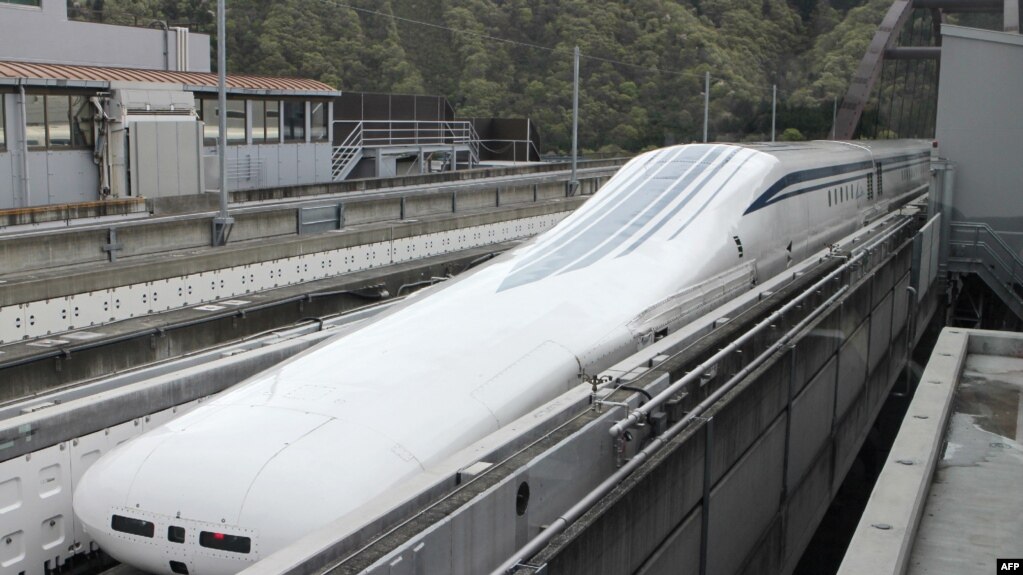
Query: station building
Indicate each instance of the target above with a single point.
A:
(114, 115)
(93, 112)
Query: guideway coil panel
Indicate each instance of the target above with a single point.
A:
(91, 309)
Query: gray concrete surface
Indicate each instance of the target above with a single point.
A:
(950, 498)
(35, 366)
(974, 510)
(44, 34)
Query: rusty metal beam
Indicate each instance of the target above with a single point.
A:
(870, 67)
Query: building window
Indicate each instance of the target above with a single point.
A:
(3, 133)
(36, 3)
(211, 127)
(81, 121)
(35, 120)
(273, 122)
(206, 108)
(266, 122)
(294, 121)
(318, 122)
(58, 122)
(235, 122)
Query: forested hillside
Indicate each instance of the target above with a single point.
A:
(642, 71)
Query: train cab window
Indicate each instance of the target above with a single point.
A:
(139, 527)
(176, 534)
(225, 542)
(179, 567)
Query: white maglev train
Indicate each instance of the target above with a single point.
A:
(312, 439)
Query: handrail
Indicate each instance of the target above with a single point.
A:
(353, 136)
(345, 154)
(1006, 251)
(987, 261)
(416, 132)
(667, 393)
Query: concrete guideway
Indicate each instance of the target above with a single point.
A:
(70, 433)
(33, 367)
(794, 423)
(46, 303)
(85, 276)
(949, 499)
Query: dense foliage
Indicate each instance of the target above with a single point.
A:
(642, 71)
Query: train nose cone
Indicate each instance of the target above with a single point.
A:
(102, 492)
(301, 489)
(194, 474)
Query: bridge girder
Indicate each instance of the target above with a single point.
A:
(882, 46)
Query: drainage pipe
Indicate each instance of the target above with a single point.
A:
(26, 183)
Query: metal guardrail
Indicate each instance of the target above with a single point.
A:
(977, 248)
(513, 145)
(401, 133)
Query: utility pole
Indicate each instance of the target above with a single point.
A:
(223, 222)
(706, 103)
(574, 183)
(834, 116)
(774, 107)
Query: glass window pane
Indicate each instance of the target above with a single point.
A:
(235, 122)
(294, 121)
(36, 3)
(58, 123)
(273, 121)
(198, 108)
(211, 131)
(35, 110)
(3, 134)
(258, 122)
(81, 124)
(318, 124)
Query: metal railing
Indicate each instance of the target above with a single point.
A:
(404, 133)
(502, 147)
(344, 156)
(977, 248)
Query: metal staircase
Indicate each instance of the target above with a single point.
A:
(346, 156)
(455, 138)
(976, 248)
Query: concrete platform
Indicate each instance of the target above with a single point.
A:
(950, 499)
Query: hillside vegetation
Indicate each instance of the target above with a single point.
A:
(641, 75)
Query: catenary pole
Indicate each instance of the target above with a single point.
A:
(834, 116)
(222, 223)
(706, 103)
(774, 108)
(574, 183)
